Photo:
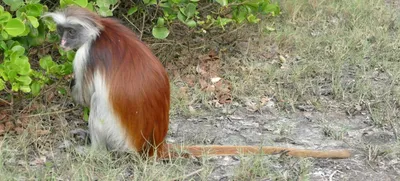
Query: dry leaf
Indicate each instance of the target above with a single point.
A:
(42, 132)
(2, 116)
(19, 130)
(203, 84)
(38, 161)
(282, 59)
(215, 79)
(210, 88)
(191, 109)
(49, 96)
(200, 70)
(183, 90)
(9, 125)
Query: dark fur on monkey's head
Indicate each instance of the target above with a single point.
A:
(76, 26)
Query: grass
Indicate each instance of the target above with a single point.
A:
(327, 56)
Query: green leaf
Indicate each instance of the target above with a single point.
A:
(4, 35)
(160, 32)
(90, 6)
(160, 22)
(82, 3)
(64, 3)
(32, 1)
(51, 25)
(104, 11)
(25, 80)
(25, 88)
(86, 112)
(24, 66)
(1, 9)
(5, 17)
(2, 84)
(271, 8)
(3, 45)
(15, 86)
(181, 17)
(27, 30)
(35, 87)
(33, 33)
(46, 62)
(15, 27)
(190, 10)
(17, 51)
(62, 91)
(34, 10)
(34, 21)
(70, 55)
(195, 1)
(253, 19)
(132, 10)
(222, 2)
(240, 14)
(191, 23)
(14, 4)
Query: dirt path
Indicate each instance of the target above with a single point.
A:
(310, 130)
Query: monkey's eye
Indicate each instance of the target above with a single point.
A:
(71, 32)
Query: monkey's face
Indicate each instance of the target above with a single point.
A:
(72, 36)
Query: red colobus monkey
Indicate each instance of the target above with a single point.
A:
(128, 91)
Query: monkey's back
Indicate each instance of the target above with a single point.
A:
(139, 90)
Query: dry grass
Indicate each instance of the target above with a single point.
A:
(329, 55)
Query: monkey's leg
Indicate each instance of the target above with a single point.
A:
(104, 127)
(96, 123)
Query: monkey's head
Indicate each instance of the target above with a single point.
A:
(76, 26)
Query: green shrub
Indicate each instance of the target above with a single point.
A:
(21, 28)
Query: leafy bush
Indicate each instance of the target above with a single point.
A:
(21, 28)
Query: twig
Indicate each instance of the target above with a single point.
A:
(331, 176)
(115, 7)
(144, 19)
(132, 24)
(50, 113)
(394, 130)
(2, 100)
(236, 29)
(190, 174)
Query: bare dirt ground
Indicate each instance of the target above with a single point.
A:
(301, 130)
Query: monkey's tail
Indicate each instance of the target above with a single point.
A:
(171, 150)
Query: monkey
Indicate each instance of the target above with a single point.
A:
(127, 90)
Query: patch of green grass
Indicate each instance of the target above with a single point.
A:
(21, 160)
(337, 54)
(274, 168)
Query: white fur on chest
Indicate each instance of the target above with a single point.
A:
(83, 89)
(105, 128)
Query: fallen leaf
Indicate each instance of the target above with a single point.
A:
(282, 59)
(183, 90)
(42, 132)
(190, 79)
(191, 109)
(2, 116)
(38, 161)
(215, 79)
(19, 130)
(9, 125)
(203, 84)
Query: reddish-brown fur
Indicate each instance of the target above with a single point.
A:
(139, 85)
